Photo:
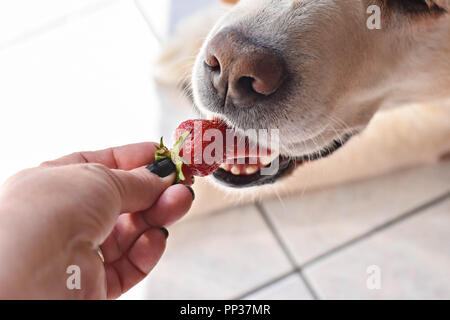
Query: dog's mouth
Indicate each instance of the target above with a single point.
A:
(252, 171)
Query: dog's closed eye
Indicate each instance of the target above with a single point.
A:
(418, 6)
(443, 4)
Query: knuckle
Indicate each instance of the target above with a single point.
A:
(115, 184)
(96, 178)
(94, 169)
(147, 180)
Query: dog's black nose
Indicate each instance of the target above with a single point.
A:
(241, 70)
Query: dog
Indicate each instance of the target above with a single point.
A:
(318, 71)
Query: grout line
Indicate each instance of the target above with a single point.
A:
(308, 284)
(345, 245)
(285, 248)
(266, 284)
(374, 231)
(277, 236)
(149, 23)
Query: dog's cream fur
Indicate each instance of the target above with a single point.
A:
(406, 67)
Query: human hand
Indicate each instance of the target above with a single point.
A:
(59, 214)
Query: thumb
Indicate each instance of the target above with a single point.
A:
(141, 187)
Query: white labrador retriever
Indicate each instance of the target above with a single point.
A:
(375, 73)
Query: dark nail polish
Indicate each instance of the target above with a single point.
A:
(192, 191)
(165, 231)
(162, 168)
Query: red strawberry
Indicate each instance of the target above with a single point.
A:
(190, 153)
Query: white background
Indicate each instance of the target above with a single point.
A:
(76, 75)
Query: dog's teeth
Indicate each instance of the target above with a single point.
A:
(225, 166)
(235, 170)
(251, 169)
(265, 161)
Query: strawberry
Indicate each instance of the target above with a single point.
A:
(190, 153)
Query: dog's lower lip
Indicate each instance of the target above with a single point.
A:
(256, 179)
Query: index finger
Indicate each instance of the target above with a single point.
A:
(124, 157)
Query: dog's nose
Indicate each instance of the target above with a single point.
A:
(241, 69)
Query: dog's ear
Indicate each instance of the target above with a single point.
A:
(443, 4)
(230, 1)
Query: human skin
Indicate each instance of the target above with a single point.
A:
(59, 214)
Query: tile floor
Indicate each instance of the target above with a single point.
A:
(318, 245)
(61, 60)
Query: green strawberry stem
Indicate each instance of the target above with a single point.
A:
(163, 152)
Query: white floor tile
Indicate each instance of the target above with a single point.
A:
(157, 14)
(83, 85)
(413, 260)
(181, 8)
(315, 222)
(22, 19)
(216, 257)
(164, 15)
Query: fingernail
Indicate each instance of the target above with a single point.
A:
(165, 231)
(162, 168)
(192, 191)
